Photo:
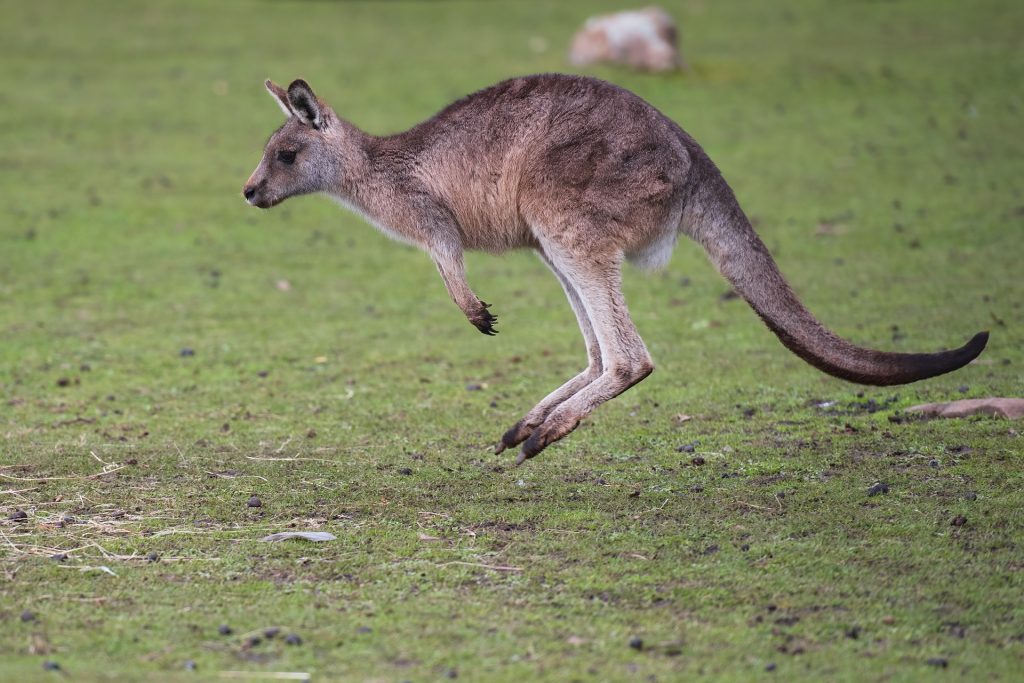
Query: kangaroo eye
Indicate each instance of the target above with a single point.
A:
(286, 157)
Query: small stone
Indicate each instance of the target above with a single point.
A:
(190, 665)
(153, 557)
(963, 388)
(939, 662)
(18, 516)
(225, 630)
(474, 387)
(271, 632)
(888, 620)
(254, 502)
(59, 557)
(451, 673)
(262, 373)
(186, 352)
(292, 639)
(971, 495)
(28, 615)
(958, 521)
(364, 629)
(406, 471)
(770, 666)
(636, 643)
(933, 464)
(51, 666)
(745, 547)
(311, 433)
(252, 641)
(63, 382)
(698, 461)
(853, 633)
(696, 488)
(878, 488)
(686, 448)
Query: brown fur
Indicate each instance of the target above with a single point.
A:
(584, 173)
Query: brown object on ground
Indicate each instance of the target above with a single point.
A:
(1010, 408)
(644, 39)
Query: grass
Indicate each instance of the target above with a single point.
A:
(878, 147)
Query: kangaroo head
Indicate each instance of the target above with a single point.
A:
(303, 155)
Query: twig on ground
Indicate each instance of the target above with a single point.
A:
(78, 477)
(253, 457)
(495, 567)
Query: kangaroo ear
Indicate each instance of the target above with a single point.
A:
(304, 103)
(280, 96)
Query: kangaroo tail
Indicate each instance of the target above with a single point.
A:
(715, 220)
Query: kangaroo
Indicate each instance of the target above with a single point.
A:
(587, 175)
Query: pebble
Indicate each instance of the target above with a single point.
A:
(28, 615)
(292, 639)
(770, 666)
(958, 521)
(698, 461)
(59, 557)
(405, 471)
(636, 643)
(186, 352)
(225, 630)
(190, 665)
(971, 495)
(254, 502)
(51, 666)
(364, 629)
(18, 516)
(940, 662)
(153, 557)
(271, 632)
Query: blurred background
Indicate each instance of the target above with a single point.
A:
(876, 145)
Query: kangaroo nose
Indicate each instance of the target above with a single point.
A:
(249, 192)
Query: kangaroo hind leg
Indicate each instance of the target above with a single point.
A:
(521, 430)
(625, 361)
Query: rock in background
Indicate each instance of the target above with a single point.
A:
(644, 39)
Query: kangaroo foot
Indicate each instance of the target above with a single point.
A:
(553, 429)
(518, 433)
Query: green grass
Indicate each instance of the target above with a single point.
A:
(127, 131)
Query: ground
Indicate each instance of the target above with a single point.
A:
(168, 353)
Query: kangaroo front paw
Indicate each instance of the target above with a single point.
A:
(483, 320)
